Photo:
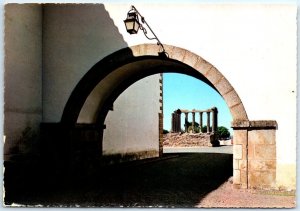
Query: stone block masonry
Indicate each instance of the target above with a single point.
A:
(254, 156)
(188, 140)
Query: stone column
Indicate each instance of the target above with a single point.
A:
(208, 121)
(193, 122)
(214, 119)
(200, 122)
(186, 122)
(173, 122)
(177, 128)
(178, 122)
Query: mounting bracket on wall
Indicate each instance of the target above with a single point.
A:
(132, 24)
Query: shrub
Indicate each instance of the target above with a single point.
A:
(223, 132)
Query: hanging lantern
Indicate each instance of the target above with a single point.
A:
(132, 23)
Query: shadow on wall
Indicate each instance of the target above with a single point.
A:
(62, 40)
(58, 35)
(48, 48)
(22, 78)
(74, 37)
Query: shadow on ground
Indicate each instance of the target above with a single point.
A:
(175, 180)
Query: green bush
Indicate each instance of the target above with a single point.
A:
(223, 132)
(204, 129)
(196, 127)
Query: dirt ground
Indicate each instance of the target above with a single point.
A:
(228, 197)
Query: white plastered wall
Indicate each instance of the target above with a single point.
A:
(253, 46)
(23, 75)
(136, 120)
(75, 38)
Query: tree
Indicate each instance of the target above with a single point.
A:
(223, 132)
(196, 127)
(165, 131)
(204, 129)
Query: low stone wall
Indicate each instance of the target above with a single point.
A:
(189, 140)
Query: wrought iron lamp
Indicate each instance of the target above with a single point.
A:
(132, 24)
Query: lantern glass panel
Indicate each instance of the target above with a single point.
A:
(136, 26)
(132, 26)
(129, 24)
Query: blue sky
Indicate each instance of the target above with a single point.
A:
(186, 92)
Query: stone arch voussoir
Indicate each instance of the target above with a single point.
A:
(191, 59)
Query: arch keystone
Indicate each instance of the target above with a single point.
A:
(137, 50)
(145, 50)
(169, 49)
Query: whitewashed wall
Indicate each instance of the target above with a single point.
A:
(23, 75)
(75, 38)
(48, 50)
(253, 46)
(133, 125)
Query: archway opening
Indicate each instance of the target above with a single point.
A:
(107, 79)
(94, 95)
(189, 106)
(185, 177)
(79, 135)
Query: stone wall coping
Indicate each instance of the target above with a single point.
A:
(256, 124)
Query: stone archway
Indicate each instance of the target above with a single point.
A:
(107, 79)
(132, 61)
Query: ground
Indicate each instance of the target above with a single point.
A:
(228, 197)
(180, 180)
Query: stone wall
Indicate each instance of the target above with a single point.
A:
(188, 139)
(254, 154)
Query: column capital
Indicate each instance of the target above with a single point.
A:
(214, 109)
